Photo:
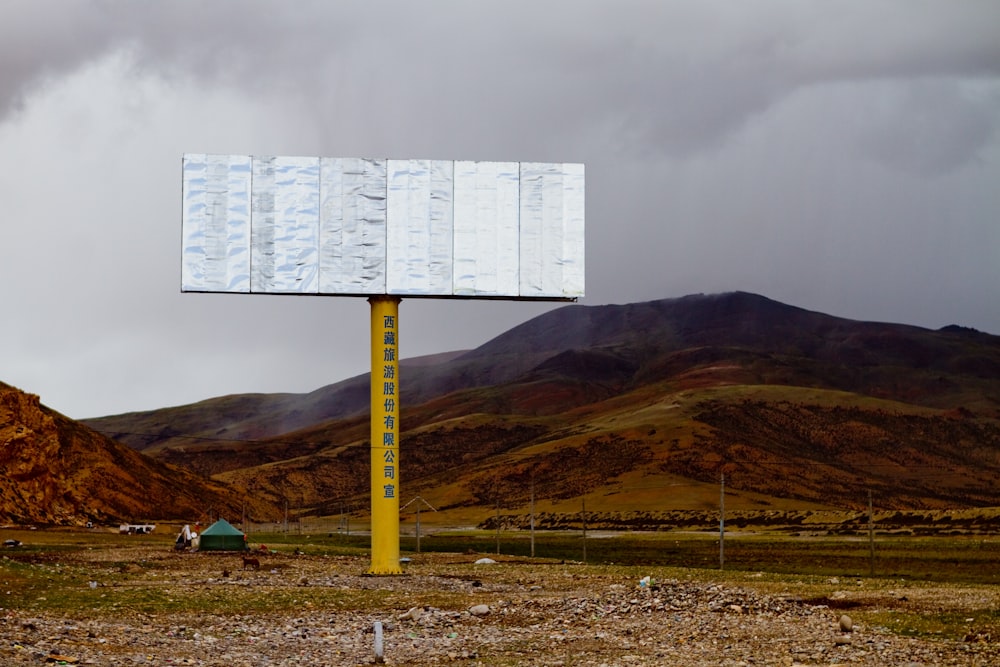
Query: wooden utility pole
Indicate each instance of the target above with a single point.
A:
(871, 536)
(532, 520)
(418, 498)
(722, 522)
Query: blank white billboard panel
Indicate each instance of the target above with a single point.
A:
(216, 223)
(352, 226)
(285, 226)
(419, 228)
(486, 228)
(551, 229)
(359, 226)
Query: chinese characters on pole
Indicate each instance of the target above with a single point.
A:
(385, 434)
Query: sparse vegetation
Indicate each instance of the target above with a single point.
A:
(636, 411)
(923, 587)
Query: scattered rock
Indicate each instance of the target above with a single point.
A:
(479, 610)
(413, 614)
(578, 617)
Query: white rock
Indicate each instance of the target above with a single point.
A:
(414, 613)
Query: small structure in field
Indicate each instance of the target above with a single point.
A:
(222, 536)
(136, 528)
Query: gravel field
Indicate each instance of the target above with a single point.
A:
(449, 610)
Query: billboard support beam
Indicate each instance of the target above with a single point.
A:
(382, 229)
(385, 435)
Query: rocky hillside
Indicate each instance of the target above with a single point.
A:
(698, 339)
(634, 408)
(60, 472)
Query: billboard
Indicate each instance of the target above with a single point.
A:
(363, 227)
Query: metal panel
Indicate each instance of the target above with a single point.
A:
(532, 213)
(574, 239)
(285, 225)
(215, 223)
(308, 225)
(552, 244)
(486, 229)
(352, 226)
(419, 227)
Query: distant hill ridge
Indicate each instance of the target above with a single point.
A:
(652, 339)
(618, 404)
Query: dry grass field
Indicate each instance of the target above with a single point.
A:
(94, 597)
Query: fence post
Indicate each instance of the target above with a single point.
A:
(871, 536)
(722, 521)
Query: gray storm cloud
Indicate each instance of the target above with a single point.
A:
(838, 156)
(674, 77)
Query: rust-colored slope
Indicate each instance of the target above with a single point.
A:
(585, 382)
(57, 471)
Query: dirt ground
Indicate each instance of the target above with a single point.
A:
(152, 606)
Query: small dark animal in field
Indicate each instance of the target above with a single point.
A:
(251, 563)
(225, 574)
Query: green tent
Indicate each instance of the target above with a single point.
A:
(221, 536)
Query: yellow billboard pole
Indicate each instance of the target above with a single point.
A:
(385, 435)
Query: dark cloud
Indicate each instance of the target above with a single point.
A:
(930, 126)
(838, 156)
(653, 77)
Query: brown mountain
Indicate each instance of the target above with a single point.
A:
(634, 407)
(60, 472)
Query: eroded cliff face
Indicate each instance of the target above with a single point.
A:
(32, 489)
(56, 471)
(26, 434)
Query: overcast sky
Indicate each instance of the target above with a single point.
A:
(837, 156)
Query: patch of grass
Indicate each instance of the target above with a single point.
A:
(968, 625)
(71, 591)
(910, 596)
(317, 544)
(945, 559)
(223, 599)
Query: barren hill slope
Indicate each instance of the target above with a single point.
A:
(655, 448)
(637, 343)
(638, 406)
(57, 471)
